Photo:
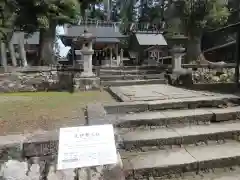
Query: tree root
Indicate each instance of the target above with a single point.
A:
(202, 60)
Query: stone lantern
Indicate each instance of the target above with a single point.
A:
(87, 79)
(178, 74)
(177, 43)
(85, 41)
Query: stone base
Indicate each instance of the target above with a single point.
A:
(86, 83)
(179, 77)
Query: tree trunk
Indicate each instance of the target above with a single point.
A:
(12, 53)
(22, 51)
(46, 50)
(3, 55)
(195, 54)
(194, 51)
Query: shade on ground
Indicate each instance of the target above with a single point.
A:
(27, 112)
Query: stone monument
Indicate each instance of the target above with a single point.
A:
(86, 80)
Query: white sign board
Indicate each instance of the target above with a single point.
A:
(86, 146)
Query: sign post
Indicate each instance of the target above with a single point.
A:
(86, 146)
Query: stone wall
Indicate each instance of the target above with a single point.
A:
(34, 157)
(35, 81)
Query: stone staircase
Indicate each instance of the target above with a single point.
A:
(188, 138)
(131, 76)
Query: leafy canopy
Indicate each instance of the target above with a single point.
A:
(197, 15)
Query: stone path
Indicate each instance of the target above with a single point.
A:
(155, 92)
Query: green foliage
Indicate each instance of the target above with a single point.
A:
(197, 15)
(8, 14)
(41, 13)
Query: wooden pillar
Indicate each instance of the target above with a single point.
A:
(237, 61)
(117, 57)
(111, 54)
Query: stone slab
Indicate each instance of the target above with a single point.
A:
(172, 136)
(192, 158)
(165, 118)
(144, 118)
(187, 117)
(157, 159)
(126, 107)
(132, 82)
(217, 156)
(155, 92)
(230, 113)
(141, 106)
(130, 77)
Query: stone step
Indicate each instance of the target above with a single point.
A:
(179, 160)
(183, 103)
(132, 82)
(131, 77)
(185, 117)
(127, 72)
(165, 118)
(162, 137)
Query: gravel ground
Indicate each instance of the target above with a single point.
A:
(27, 112)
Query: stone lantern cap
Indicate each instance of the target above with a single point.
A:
(177, 49)
(177, 39)
(83, 38)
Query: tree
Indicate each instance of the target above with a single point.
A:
(85, 4)
(197, 16)
(44, 16)
(8, 14)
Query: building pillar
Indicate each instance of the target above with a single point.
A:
(121, 57)
(111, 58)
(117, 55)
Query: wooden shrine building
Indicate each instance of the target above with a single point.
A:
(106, 45)
(147, 45)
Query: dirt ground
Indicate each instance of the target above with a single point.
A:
(27, 112)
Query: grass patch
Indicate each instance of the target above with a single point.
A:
(27, 112)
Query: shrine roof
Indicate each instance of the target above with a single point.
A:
(98, 31)
(151, 39)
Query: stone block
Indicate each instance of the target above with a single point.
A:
(13, 169)
(216, 155)
(86, 83)
(187, 117)
(126, 107)
(41, 144)
(167, 104)
(96, 114)
(231, 113)
(138, 119)
(158, 163)
(11, 147)
(150, 137)
(53, 174)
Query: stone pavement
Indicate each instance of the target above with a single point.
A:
(155, 92)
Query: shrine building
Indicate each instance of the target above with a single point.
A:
(106, 46)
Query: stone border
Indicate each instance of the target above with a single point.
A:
(219, 87)
(190, 103)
